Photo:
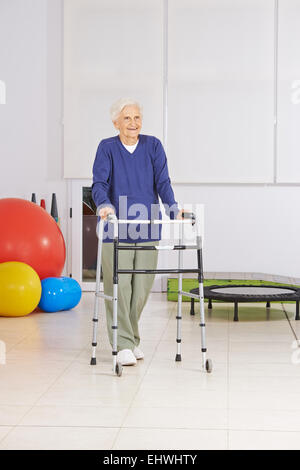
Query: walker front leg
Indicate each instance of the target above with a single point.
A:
(97, 292)
(117, 367)
(206, 363)
(179, 304)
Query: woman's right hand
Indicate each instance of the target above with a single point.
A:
(105, 211)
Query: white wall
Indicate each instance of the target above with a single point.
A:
(247, 227)
(221, 91)
(112, 48)
(30, 121)
(288, 135)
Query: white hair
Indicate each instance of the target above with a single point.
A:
(117, 107)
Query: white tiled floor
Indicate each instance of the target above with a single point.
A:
(51, 398)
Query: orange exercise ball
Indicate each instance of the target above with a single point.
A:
(30, 235)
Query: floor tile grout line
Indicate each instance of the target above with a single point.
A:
(159, 342)
(32, 407)
(169, 317)
(6, 435)
(142, 378)
(23, 416)
(289, 323)
(11, 348)
(228, 372)
(205, 428)
(159, 428)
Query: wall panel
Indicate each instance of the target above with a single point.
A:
(113, 48)
(221, 91)
(288, 126)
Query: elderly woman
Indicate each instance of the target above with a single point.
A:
(133, 166)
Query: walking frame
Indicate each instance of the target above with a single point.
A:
(189, 218)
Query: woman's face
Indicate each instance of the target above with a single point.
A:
(129, 123)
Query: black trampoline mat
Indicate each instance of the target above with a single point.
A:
(255, 290)
(248, 293)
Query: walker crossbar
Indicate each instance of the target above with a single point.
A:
(189, 218)
(112, 218)
(163, 247)
(103, 296)
(157, 271)
(188, 294)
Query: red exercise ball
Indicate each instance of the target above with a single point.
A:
(30, 235)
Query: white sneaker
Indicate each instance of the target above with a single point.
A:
(126, 357)
(138, 353)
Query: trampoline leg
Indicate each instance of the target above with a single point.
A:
(297, 317)
(236, 311)
(268, 305)
(192, 311)
(209, 304)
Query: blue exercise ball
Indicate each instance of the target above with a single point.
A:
(59, 293)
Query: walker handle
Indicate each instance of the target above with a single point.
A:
(189, 215)
(111, 218)
(186, 215)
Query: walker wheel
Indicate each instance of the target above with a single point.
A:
(208, 366)
(119, 369)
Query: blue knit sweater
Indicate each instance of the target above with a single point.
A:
(131, 183)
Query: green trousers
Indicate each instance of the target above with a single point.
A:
(133, 290)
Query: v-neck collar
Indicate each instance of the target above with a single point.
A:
(123, 147)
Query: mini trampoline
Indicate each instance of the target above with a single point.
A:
(248, 293)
